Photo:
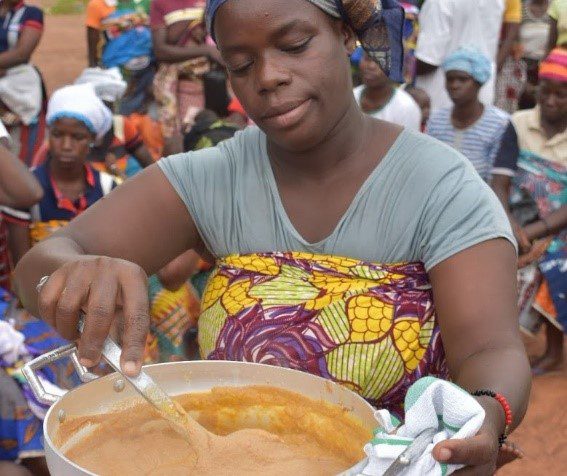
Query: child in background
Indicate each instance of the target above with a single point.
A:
(423, 100)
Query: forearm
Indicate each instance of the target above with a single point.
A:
(13, 57)
(18, 241)
(18, 186)
(504, 370)
(42, 260)
(175, 54)
(178, 271)
(501, 186)
(93, 37)
(553, 224)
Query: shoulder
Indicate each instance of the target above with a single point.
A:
(439, 118)
(456, 208)
(234, 153)
(496, 119)
(432, 161)
(441, 113)
(404, 99)
(32, 16)
(96, 10)
(497, 114)
(31, 10)
(95, 5)
(523, 118)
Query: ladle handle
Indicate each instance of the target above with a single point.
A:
(30, 369)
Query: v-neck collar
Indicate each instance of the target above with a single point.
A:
(269, 176)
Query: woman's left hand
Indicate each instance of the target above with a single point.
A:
(479, 453)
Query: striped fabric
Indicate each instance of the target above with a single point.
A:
(479, 143)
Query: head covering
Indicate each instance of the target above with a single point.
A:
(469, 60)
(108, 83)
(81, 103)
(377, 24)
(554, 67)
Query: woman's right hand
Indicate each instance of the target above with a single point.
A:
(102, 288)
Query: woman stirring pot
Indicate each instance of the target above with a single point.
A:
(345, 246)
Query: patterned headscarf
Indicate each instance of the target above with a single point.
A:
(377, 24)
(469, 60)
(554, 67)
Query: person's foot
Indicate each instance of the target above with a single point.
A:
(508, 452)
(548, 363)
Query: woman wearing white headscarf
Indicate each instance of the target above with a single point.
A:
(76, 117)
(120, 150)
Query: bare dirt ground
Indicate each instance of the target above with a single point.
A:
(62, 53)
(543, 435)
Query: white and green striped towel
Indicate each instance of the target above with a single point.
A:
(430, 404)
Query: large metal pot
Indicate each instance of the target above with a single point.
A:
(103, 394)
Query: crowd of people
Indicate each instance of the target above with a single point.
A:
(488, 79)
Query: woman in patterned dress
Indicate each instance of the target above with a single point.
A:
(344, 246)
(18, 188)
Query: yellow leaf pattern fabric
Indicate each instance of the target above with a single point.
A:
(368, 326)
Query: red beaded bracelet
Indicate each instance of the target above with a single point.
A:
(501, 399)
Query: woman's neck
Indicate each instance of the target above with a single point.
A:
(66, 174)
(465, 115)
(551, 129)
(342, 143)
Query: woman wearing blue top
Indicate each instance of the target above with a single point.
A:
(344, 246)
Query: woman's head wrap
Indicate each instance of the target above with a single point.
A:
(554, 67)
(377, 24)
(108, 83)
(80, 102)
(469, 60)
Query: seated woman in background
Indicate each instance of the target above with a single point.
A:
(542, 174)
(472, 128)
(120, 151)
(20, 433)
(77, 118)
(382, 99)
(22, 92)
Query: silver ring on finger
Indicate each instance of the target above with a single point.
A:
(42, 281)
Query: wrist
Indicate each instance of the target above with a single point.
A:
(495, 419)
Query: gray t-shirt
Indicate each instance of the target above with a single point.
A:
(423, 202)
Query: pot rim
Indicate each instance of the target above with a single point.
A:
(49, 443)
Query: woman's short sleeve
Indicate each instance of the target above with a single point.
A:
(204, 181)
(462, 211)
(32, 18)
